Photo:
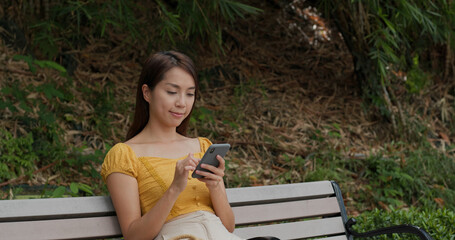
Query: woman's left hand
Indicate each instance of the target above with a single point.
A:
(214, 179)
(215, 184)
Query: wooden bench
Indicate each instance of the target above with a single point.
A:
(288, 211)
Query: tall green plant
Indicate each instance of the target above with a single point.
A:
(200, 19)
(69, 23)
(385, 38)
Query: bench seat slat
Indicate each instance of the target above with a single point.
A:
(287, 210)
(51, 208)
(335, 238)
(295, 230)
(78, 228)
(279, 193)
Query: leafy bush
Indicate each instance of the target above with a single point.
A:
(74, 190)
(419, 177)
(440, 224)
(396, 177)
(44, 110)
(17, 156)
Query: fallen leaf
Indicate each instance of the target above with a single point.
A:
(445, 137)
(440, 202)
(383, 206)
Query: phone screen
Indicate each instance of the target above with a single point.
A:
(210, 157)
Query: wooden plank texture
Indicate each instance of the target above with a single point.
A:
(295, 230)
(287, 210)
(28, 209)
(279, 193)
(78, 228)
(335, 238)
(94, 217)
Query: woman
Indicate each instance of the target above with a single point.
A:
(149, 175)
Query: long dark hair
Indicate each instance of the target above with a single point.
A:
(152, 73)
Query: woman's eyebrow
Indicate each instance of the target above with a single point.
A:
(178, 87)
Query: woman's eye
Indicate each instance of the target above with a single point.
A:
(172, 93)
(190, 94)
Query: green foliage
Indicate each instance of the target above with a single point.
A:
(17, 157)
(74, 190)
(200, 19)
(440, 223)
(42, 109)
(386, 38)
(202, 114)
(10, 193)
(241, 98)
(37, 117)
(295, 164)
(417, 79)
(239, 180)
(397, 177)
(77, 188)
(86, 163)
(327, 164)
(102, 99)
(419, 177)
(32, 63)
(45, 38)
(70, 21)
(181, 22)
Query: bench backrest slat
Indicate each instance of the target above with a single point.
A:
(77, 228)
(284, 211)
(279, 193)
(296, 230)
(94, 217)
(52, 208)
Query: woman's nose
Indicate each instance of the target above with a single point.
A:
(181, 101)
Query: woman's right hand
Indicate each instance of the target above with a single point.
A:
(125, 197)
(182, 169)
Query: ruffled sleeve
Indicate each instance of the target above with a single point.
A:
(119, 159)
(205, 144)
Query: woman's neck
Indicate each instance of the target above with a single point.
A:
(154, 134)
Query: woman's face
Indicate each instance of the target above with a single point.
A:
(172, 99)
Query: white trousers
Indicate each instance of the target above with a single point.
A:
(200, 225)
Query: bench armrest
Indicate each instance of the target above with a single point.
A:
(388, 230)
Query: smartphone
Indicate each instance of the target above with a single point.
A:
(210, 157)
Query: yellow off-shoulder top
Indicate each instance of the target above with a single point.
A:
(154, 175)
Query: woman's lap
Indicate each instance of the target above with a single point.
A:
(200, 225)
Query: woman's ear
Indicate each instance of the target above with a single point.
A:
(146, 93)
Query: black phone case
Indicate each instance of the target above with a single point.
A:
(210, 157)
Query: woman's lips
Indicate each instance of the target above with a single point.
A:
(178, 115)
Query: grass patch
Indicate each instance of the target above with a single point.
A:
(440, 223)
